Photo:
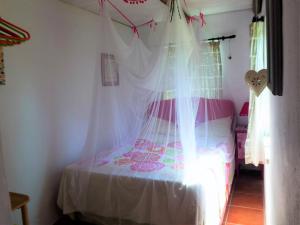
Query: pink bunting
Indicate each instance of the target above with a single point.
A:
(202, 19)
(134, 1)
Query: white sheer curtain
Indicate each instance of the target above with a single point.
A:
(211, 67)
(210, 83)
(258, 125)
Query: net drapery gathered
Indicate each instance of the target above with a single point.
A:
(159, 149)
(258, 125)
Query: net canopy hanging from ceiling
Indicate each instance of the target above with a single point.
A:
(154, 151)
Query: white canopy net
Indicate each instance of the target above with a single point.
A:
(158, 147)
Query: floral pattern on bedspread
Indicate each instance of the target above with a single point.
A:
(147, 156)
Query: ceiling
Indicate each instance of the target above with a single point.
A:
(155, 9)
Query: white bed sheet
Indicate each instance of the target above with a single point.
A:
(155, 197)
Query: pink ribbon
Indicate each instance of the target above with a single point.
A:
(202, 19)
(135, 1)
(191, 19)
(135, 31)
(134, 28)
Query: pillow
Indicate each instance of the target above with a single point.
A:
(219, 127)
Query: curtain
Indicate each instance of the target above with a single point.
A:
(216, 53)
(210, 84)
(258, 125)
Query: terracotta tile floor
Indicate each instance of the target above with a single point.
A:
(246, 205)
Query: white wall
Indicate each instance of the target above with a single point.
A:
(234, 70)
(45, 105)
(283, 171)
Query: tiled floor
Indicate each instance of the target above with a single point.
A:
(246, 205)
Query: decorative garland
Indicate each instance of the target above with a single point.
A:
(135, 1)
(202, 21)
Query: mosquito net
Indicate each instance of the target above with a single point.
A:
(159, 145)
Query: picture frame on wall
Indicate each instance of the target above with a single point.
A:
(109, 70)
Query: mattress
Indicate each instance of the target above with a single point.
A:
(146, 183)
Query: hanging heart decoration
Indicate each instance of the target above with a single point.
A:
(134, 1)
(257, 81)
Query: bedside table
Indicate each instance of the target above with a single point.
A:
(240, 137)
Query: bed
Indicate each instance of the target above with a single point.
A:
(144, 183)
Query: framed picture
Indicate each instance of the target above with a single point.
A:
(275, 46)
(109, 70)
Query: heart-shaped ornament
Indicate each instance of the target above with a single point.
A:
(257, 81)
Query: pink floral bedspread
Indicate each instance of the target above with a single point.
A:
(146, 156)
